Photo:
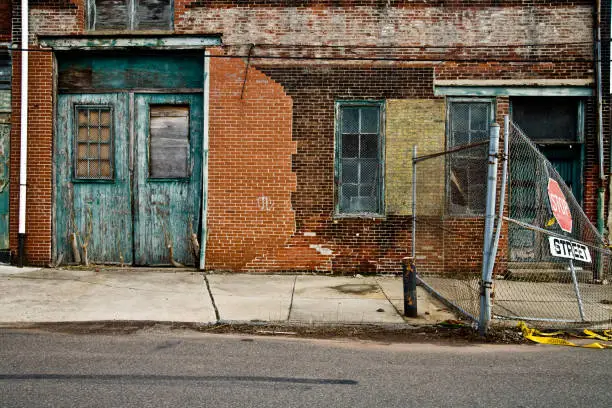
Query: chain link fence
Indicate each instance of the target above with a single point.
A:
(558, 264)
(449, 215)
(552, 266)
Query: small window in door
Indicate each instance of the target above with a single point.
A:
(94, 143)
(169, 142)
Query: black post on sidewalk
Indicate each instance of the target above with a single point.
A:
(409, 280)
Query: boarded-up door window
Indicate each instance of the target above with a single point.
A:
(94, 143)
(169, 141)
(130, 14)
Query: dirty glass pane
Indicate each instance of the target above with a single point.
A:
(479, 116)
(350, 146)
(469, 123)
(169, 141)
(350, 120)
(369, 170)
(369, 146)
(369, 120)
(348, 194)
(350, 171)
(93, 149)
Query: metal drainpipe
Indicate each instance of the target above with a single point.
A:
(600, 142)
(23, 157)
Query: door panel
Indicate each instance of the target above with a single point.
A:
(167, 176)
(95, 201)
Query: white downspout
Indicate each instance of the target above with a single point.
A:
(23, 156)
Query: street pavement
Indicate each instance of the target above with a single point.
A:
(173, 368)
(32, 295)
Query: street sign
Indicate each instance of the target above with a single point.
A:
(559, 206)
(563, 248)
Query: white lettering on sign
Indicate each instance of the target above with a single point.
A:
(558, 205)
(563, 248)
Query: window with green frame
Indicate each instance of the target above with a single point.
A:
(468, 122)
(359, 157)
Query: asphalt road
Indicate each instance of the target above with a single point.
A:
(185, 369)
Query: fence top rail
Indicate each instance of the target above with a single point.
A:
(452, 150)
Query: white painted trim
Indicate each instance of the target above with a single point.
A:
(487, 91)
(151, 42)
(514, 82)
(23, 154)
(205, 125)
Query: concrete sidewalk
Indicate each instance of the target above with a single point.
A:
(31, 295)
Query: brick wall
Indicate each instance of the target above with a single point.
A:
(271, 186)
(5, 20)
(250, 177)
(40, 136)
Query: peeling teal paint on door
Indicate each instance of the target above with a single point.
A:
(131, 218)
(4, 186)
(100, 206)
(167, 211)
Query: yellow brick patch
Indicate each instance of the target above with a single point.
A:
(412, 122)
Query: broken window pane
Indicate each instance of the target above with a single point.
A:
(350, 146)
(169, 141)
(547, 119)
(93, 143)
(369, 146)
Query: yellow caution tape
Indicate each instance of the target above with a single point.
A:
(545, 338)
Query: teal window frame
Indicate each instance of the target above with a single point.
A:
(340, 209)
(469, 209)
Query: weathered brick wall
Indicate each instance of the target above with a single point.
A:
(283, 218)
(250, 177)
(40, 137)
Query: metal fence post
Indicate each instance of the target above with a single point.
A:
(414, 196)
(485, 282)
(409, 281)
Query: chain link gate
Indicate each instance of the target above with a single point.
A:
(561, 278)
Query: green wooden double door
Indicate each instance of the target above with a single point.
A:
(128, 177)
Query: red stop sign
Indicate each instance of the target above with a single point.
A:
(559, 206)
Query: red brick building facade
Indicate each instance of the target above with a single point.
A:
(280, 79)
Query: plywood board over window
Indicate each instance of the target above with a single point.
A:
(169, 141)
(129, 14)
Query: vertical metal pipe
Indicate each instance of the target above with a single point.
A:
(577, 290)
(23, 154)
(205, 146)
(485, 283)
(502, 199)
(409, 282)
(414, 198)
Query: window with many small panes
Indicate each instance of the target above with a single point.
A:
(93, 156)
(359, 149)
